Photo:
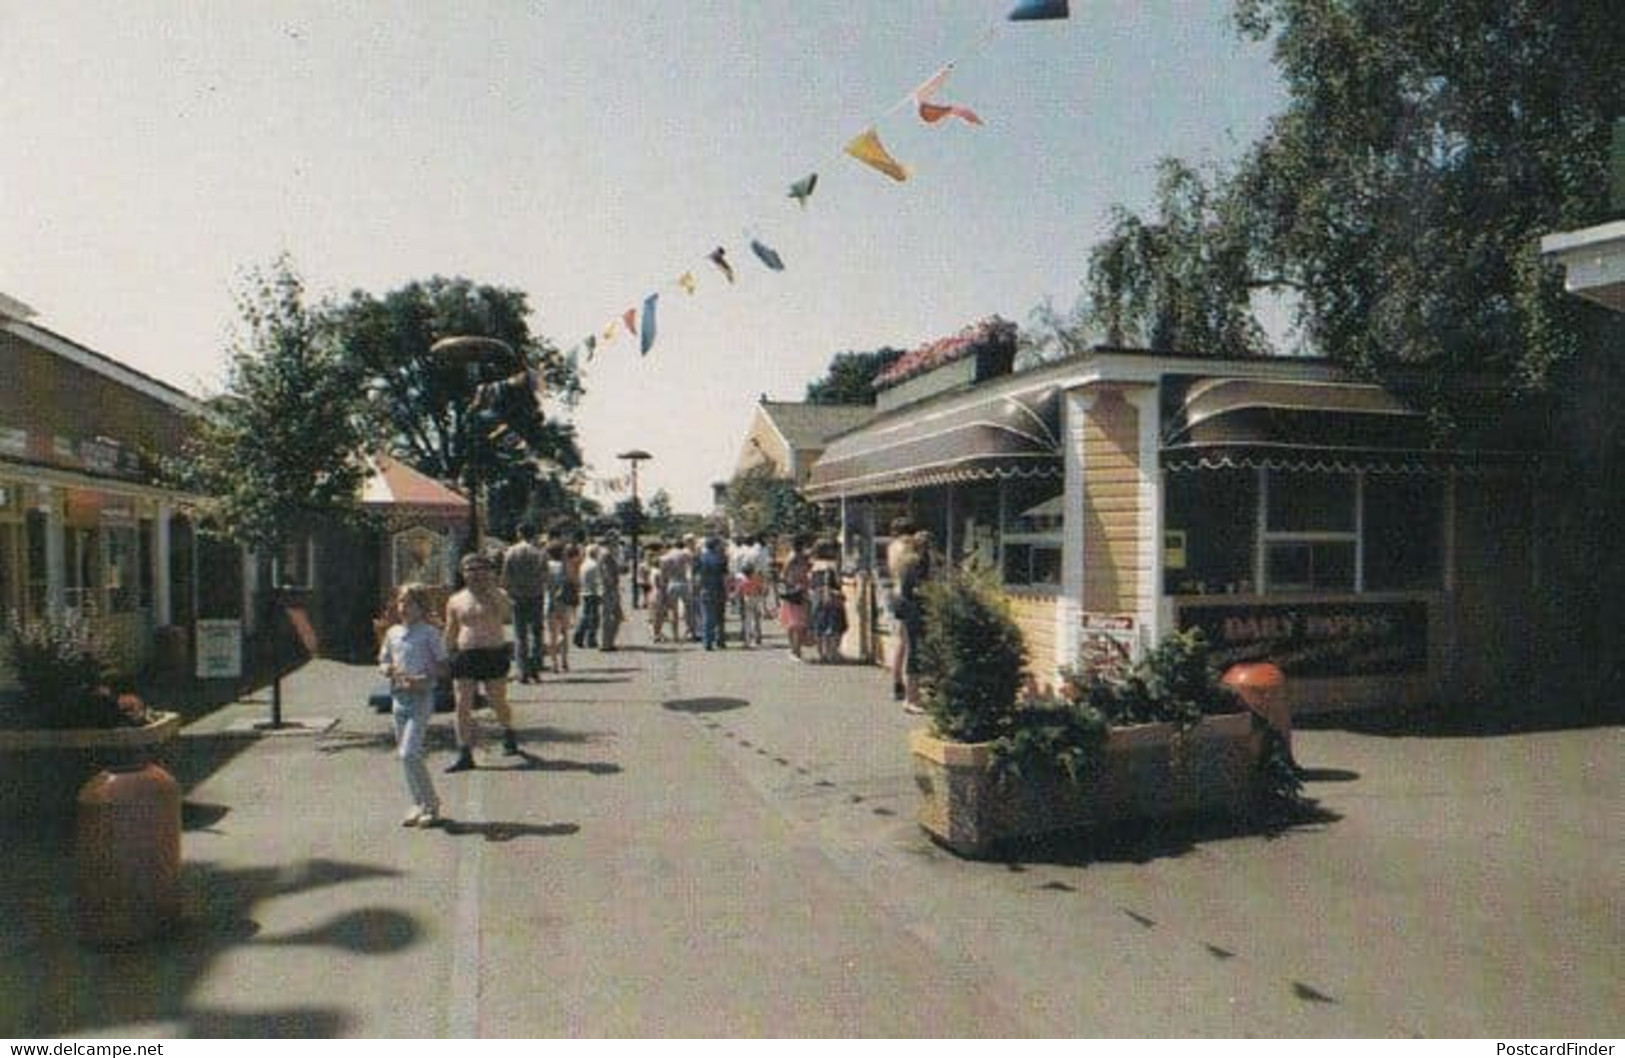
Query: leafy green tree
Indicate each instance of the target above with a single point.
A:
(661, 517)
(280, 449)
(1183, 281)
(761, 502)
(422, 403)
(1426, 147)
(851, 376)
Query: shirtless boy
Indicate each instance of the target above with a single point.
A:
(477, 641)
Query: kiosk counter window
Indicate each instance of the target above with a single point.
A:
(1280, 532)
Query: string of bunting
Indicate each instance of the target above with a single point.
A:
(639, 322)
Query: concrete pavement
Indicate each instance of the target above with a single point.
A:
(723, 844)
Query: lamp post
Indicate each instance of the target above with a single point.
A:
(635, 456)
(473, 353)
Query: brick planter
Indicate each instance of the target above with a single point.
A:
(1148, 771)
(41, 770)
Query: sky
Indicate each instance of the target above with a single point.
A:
(588, 152)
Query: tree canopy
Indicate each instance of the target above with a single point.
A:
(851, 376)
(279, 448)
(1400, 196)
(761, 502)
(422, 402)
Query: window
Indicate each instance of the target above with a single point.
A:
(1311, 531)
(1290, 532)
(1034, 515)
(82, 557)
(420, 555)
(122, 576)
(1218, 513)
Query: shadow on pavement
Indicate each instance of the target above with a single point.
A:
(500, 832)
(525, 760)
(1142, 841)
(1472, 720)
(705, 705)
(51, 985)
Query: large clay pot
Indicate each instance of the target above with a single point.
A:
(128, 855)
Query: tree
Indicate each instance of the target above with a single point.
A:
(1426, 147)
(280, 449)
(1182, 282)
(423, 405)
(851, 377)
(661, 517)
(761, 502)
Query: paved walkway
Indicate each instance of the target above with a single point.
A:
(722, 844)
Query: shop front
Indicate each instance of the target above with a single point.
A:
(1291, 513)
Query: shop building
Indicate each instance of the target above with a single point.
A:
(1290, 511)
(84, 524)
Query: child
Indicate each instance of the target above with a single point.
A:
(829, 603)
(413, 657)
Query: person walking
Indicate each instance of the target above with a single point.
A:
(557, 607)
(828, 600)
(898, 551)
(711, 575)
(609, 572)
(524, 578)
(592, 600)
(794, 582)
(476, 642)
(412, 657)
(753, 600)
(912, 571)
(677, 597)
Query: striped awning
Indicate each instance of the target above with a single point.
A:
(1012, 435)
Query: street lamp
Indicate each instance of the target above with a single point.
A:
(473, 353)
(635, 456)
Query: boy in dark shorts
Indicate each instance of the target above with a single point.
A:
(477, 642)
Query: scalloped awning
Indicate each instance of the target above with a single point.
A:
(1009, 436)
(1245, 423)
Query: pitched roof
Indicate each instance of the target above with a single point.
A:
(806, 426)
(393, 483)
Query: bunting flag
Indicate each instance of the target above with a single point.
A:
(646, 338)
(630, 318)
(592, 346)
(686, 281)
(802, 189)
(933, 112)
(719, 257)
(767, 255)
(867, 149)
(1038, 11)
(609, 330)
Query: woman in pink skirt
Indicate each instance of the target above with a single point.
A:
(793, 601)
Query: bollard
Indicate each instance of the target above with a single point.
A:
(1263, 687)
(128, 855)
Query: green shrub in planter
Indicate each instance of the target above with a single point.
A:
(972, 660)
(1175, 683)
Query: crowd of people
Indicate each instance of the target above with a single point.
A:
(561, 591)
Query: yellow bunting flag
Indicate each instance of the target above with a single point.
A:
(686, 281)
(868, 150)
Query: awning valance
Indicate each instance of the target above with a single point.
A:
(1283, 424)
(1014, 435)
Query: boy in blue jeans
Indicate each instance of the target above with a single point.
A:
(413, 657)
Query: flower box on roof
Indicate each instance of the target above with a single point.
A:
(977, 353)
